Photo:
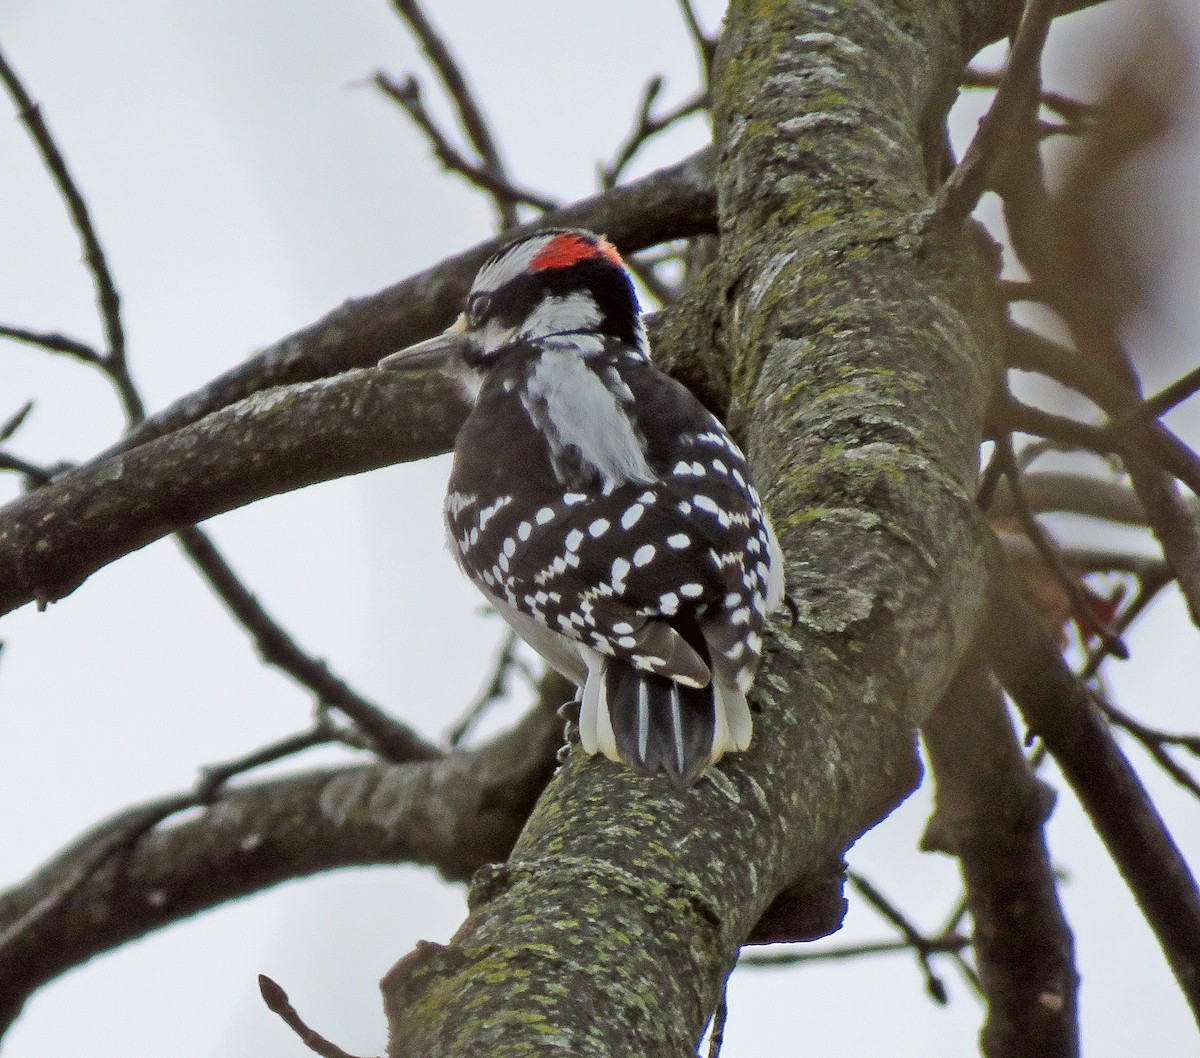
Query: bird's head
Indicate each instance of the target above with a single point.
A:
(548, 285)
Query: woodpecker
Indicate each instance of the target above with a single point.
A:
(601, 509)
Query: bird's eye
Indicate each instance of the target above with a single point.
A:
(478, 306)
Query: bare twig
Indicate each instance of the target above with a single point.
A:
(278, 1003)
(107, 298)
(505, 194)
(1081, 606)
(1019, 89)
(470, 113)
(507, 660)
(706, 46)
(1156, 743)
(914, 938)
(1159, 404)
(34, 474)
(646, 126)
(15, 421)
(53, 342)
(110, 841)
(454, 814)
(123, 833)
(1009, 415)
(389, 737)
(1072, 111)
(942, 944)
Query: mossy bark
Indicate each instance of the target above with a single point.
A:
(856, 351)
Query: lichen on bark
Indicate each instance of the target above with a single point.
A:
(858, 352)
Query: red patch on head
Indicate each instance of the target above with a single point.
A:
(568, 249)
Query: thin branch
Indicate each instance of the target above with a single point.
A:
(470, 114)
(407, 94)
(278, 1003)
(1019, 88)
(454, 814)
(53, 342)
(507, 660)
(706, 46)
(107, 298)
(1073, 111)
(15, 421)
(943, 944)
(389, 737)
(34, 474)
(118, 838)
(1060, 710)
(1155, 743)
(1151, 582)
(1082, 494)
(1009, 415)
(1159, 404)
(646, 126)
(1081, 606)
(914, 938)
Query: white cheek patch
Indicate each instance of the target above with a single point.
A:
(495, 336)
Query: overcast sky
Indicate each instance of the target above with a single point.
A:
(245, 180)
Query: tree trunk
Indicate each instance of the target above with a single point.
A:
(861, 348)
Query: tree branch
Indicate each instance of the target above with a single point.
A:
(114, 360)
(1016, 96)
(407, 94)
(470, 113)
(990, 814)
(392, 739)
(455, 814)
(671, 203)
(1058, 709)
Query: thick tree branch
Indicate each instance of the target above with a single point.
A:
(455, 814)
(53, 538)
(670, 203)
(990, 814)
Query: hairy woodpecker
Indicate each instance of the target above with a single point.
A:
(601, 509)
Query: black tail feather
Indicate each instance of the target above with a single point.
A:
(658, 723)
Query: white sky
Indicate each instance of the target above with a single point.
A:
(244, 182)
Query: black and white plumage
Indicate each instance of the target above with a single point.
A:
(602, 510)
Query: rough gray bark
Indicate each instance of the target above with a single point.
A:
(862, 351)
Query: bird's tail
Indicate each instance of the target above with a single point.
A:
(651, 722)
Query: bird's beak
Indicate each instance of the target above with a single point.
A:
(432, 352)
